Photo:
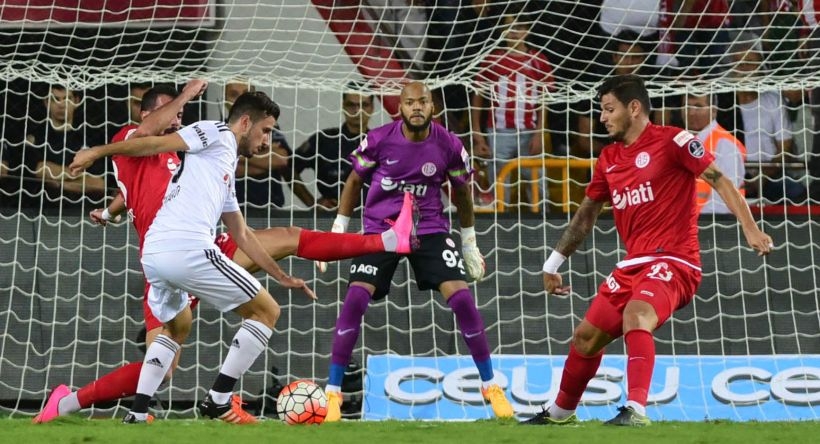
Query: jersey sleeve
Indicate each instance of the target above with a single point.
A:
(598, 188)
(459, 168)
(690, 153)
(201, 135)
(231, 204)
(365, 157)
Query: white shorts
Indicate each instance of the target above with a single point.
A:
(207, 274)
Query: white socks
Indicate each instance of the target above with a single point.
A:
(558, 413)
(69, 404)
(158, 360)
(249, 342)
(639, 409)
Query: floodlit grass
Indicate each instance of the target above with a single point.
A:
(81, 430)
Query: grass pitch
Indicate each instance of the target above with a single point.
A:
(80, 430)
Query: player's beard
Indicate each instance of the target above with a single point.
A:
(417, 128)
(244, 146)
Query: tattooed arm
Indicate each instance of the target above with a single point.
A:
(578, 229)
(757, 239)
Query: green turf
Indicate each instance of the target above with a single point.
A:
(80, 430)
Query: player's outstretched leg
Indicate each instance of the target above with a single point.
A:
(579, 369)
(51, 410)
(404, 229)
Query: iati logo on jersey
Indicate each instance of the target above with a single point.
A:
(633, 196)
(389, 184)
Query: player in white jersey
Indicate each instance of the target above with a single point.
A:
(179, 256)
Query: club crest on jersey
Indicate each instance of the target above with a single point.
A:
(642, 160)
(389, 184)
(450, 243)
(696, 148)
(428, 169)
(633, 196)
(172, 166)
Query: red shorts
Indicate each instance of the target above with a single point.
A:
(225, 243)
(664, 283)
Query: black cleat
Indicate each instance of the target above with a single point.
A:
(627, 416)
(544, 418)
(130, 418)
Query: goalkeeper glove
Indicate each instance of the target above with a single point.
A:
(473, 260)
(339, 226)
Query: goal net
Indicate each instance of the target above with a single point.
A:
(514, 78)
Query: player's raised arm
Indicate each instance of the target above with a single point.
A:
(578, 229)
(140, 146)
(156, 122)
(757, 239)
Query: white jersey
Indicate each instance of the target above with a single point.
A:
(201, 190)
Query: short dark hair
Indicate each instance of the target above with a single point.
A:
(358, 88)
(149, 99)
(627, 88)
(256, 104)
(710, 97)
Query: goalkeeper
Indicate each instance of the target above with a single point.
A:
(417, 156)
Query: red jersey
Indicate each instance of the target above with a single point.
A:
(143, 181)
(517, 80)
(651, 186)
(810, 10)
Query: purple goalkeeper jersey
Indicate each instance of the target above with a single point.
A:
(392, 164)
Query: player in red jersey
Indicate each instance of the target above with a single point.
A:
(648, 175)
(142, 182)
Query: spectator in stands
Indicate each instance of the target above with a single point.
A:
(515, 124)
(259, 178)
(630, 54)
(730, 154)
(234, 89)
(459, 29)
(759, 120)
(51, 145)
(326, 152)
(699, 33)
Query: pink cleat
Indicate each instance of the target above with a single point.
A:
(405, 225)
(51, 409)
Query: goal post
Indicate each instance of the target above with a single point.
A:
(747, 348)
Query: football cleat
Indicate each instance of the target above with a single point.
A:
(498, 400)
(51, 410)
(544, 418)
(627, 416)
(334, 407)
(230, 412)
(131, 418)
(405, 226)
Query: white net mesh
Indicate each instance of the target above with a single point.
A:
(72, 305)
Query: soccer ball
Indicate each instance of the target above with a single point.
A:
(302, 402)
